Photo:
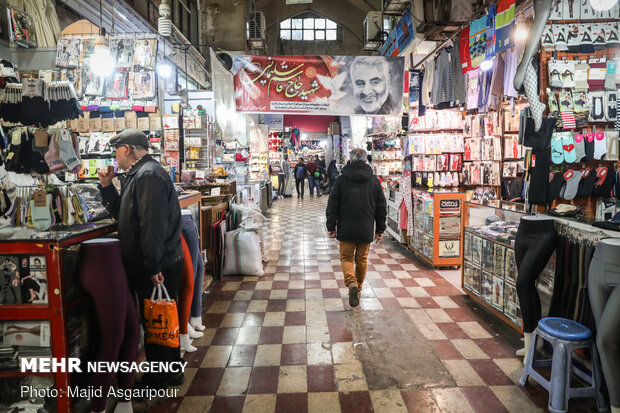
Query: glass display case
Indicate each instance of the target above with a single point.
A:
(438, 231)
(489, 265)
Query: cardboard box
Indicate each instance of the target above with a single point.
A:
(108, 124)
(96, 124)
(144, 124)
(154, 123)
(131, 121)
(119, 124)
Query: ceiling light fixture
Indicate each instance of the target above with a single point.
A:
(603, 5)
(164, 24)
(101, 62)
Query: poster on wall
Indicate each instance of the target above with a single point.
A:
(334, 85)
(122, 52)
(21, 28)
(144, 85)
(92, 84)
(144, 54)
(68, 53)
(116, 85)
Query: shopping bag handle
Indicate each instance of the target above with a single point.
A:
(158, 289)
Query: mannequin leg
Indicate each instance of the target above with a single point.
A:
(542, 10)
(527, 340)
(107, 285)
(191, 237)
(605, 303)
(129, 350)
(185, 299)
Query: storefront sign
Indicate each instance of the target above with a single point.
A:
(449, 249)
(334, 85)
(400, 37)
(274, 121)
(449, 206)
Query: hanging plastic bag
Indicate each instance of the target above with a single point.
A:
(161, 319)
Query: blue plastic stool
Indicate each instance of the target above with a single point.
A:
(564, 336)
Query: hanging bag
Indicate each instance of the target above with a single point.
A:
(161, 319)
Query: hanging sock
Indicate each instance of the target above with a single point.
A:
(40, 210)
(557, 153)
(580, 148)
(530, 82)
(600, 145)
(571, 186)
(612, 145)
(570, 154)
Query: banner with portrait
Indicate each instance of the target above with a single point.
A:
(332, 85)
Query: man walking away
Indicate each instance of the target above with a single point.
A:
(300, 171)
(313, 179)
(283, 176)
(356, 213)
(149, 229)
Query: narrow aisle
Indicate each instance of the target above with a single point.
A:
(289, 342)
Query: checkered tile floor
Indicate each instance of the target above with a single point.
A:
(281, 342)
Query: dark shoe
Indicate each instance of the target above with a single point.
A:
(354, 299)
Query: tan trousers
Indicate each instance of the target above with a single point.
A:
(354, 259)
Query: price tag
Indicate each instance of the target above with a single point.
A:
(215, 191)
(39, 198)
(41, 139)
(200, 175)
(69, 177)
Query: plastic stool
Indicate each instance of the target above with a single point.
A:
(564, 336)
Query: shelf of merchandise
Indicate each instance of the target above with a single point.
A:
(438, 247)
(393, 221)
(59, 303)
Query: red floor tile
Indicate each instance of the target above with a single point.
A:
(212, 320)
(168, 406)
(400, 292)
(293, 354)
(355, 402)
(225, 336)
(238, 306)
(295, 318)
(292, 403)
(276, 305)
(271, 335)
(261, 295)
(442, 290)
(427, 302)
(206, 382)
(228, 404)
(490, 373)
(194, 359)
(446, 350)
(452, 330)
(264, 380)
(495, 349)
(483, 400)
(458, 315)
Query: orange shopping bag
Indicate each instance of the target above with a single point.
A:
(161, 319)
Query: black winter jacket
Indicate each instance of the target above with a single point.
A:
(149, 217)
(356, 204)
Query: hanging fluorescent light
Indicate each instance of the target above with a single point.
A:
(603, 5)
(164, 24)
(101, 62)
(164, 69)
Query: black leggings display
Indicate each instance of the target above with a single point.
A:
(299, 182)
(103, 277)
(534, 245)
(604, 291)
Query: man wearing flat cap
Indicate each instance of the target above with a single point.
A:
(149, 228)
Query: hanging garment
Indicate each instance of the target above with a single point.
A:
(443, 82)
(458, 76)
(496, 95)
(504, 24)
(464, 54)
(404, 197)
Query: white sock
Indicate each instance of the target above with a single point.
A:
(186, 343)
(196, 322)
(527, 339)
(123, 407)
(193, 333)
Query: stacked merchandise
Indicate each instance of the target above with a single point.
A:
(580, 81)
(276, 151)
(197, 129)
(386, 156)
(171, 141)
(483, 150)
(436, 157)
